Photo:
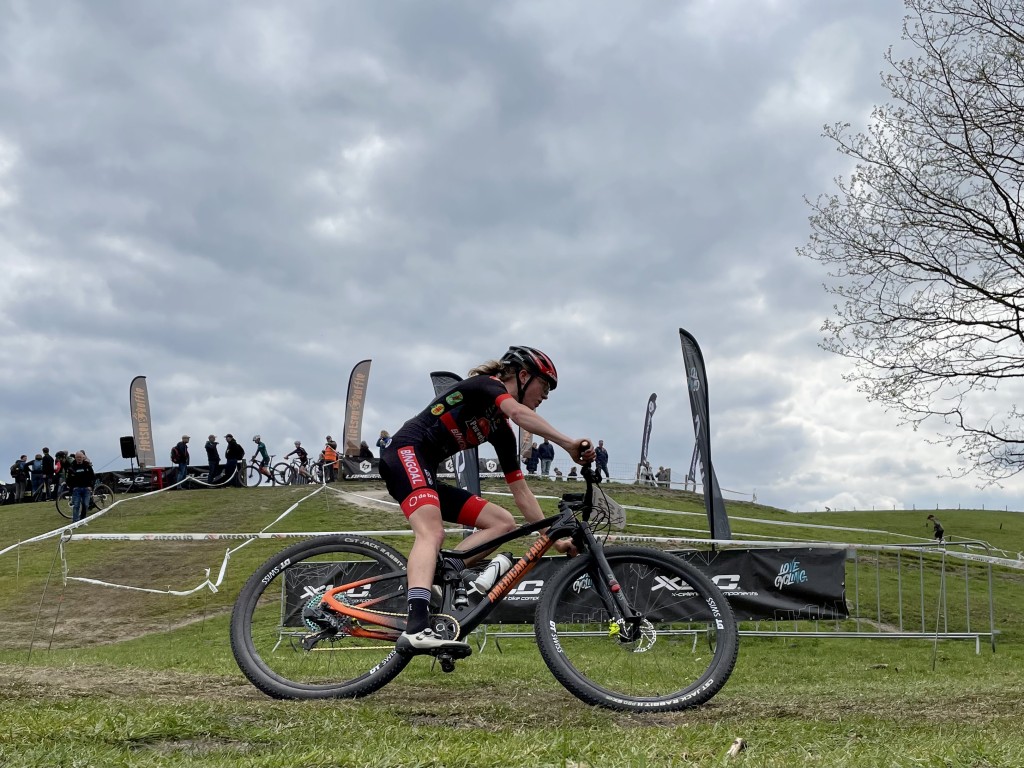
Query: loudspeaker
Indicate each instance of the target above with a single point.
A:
(128, 447)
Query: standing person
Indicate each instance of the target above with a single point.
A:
(49, 475)
(80, 480)
(602, 460)
(937, 530)
(179, 455)
(546, 454)
(36, 470)
(19, 472)
(384, 440)
(330, 456)
(365, 452)
(212, 459)
(261, 451)
(36, 474)
(474, 411)
(532, 459)
(232, 455)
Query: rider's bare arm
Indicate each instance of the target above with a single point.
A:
(528, 419)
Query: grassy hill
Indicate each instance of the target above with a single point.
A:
(96, 675)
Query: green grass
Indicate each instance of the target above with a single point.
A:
(118, 678)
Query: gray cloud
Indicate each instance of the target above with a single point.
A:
(240, 201)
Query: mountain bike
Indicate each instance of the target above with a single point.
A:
(253, 473)
(102, 497)
(626, 628)
(292, 472)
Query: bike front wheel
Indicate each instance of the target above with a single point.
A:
(102, 497)
(675, 652)
(64, 504)
(290, 649)
(253, 476)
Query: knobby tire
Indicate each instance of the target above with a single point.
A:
(684, 656)
(267, 626)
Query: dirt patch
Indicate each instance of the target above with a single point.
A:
(57, 683)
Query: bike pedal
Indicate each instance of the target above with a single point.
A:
(452, 653)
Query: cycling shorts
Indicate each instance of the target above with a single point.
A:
(413, 483)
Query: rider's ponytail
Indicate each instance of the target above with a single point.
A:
(494, 368)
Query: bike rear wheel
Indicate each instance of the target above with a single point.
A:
(678, 654)
(271, 620)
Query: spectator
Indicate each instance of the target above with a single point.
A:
(532, 459)
(49, 475)
(937, 530)
(330, 457)
(546, 454)
(602, 460)
(663, 477)
(232, 455)
(364, 451)
(36, 471)
(384, 440)
(181, 458)
(558, 474)
(20, 472)
(80, 479)
(212, 459)
(573, 474)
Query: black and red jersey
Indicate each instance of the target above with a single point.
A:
(466, 415)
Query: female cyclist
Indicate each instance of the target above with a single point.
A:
(474, 411)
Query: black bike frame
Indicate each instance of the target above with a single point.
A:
(562, 524)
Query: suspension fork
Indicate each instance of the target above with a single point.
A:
(608, 586)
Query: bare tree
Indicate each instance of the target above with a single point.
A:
(923, 241)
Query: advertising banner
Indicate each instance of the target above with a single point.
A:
(142, 422)
(354, 403)
(464, 464)
(643, 468)
(354, 468)
(697, 384)
(760, 584)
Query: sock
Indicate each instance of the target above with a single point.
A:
(455, 562)
(419, 610)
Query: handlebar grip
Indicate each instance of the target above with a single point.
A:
(585, 445)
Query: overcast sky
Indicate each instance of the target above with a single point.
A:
(241, 200)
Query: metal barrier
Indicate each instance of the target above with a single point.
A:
(897, 592)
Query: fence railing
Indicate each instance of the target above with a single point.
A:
(911, 592)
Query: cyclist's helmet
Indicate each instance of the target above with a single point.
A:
(535, 362)
(298, 443)
(255, 438)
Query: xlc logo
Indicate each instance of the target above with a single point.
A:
(729, 582)
(530, 588)
(360, 593)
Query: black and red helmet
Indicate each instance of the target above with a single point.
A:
(533, 361)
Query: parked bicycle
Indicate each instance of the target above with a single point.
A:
(102, 497)
(627, 628)
(255, 473)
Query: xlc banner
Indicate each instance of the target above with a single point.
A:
(142, 423)
(465, 464)
(643, 469)
(354, 403)
(697, 384)
(786, 585)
